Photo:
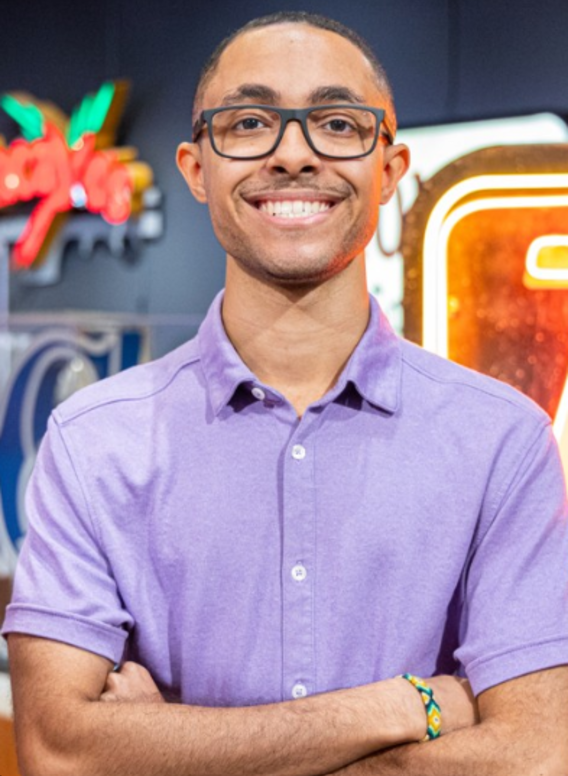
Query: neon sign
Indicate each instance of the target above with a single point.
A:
(64, 164)
(486, 276)
(433, 149)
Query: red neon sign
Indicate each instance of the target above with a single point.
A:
(63, 167)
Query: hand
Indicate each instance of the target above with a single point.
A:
(132, 684)
(456, 700)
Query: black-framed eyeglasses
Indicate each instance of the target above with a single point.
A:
(343, 131)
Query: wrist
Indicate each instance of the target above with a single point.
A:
(415, 716)
(397, 715)
(431, 706)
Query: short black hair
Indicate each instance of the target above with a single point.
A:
(312, 20)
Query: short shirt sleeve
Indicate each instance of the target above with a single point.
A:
(515, 619)
(64, 588)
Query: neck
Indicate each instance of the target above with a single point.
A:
(296, 340)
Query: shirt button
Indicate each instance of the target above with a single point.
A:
(299, 691)
(258, 393)
(298, 452)
(299, 573)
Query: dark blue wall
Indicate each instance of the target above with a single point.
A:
(447, 60)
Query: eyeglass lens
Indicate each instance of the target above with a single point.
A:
(245, 132)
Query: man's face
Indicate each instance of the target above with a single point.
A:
(291, 62)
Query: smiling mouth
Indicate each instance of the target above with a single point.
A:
(293, 208)
(294, 205)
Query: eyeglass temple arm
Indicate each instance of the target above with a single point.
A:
(197, 128)
(387, 131)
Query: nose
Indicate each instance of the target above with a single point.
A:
(293, 154)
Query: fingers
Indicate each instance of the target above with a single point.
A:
(132, 683)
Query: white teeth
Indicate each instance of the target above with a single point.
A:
(296, 208)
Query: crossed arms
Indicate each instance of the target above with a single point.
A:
(64, 727)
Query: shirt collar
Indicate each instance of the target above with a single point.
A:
(223, 367)
(374, 367)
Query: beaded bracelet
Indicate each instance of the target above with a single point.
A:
(433, 711)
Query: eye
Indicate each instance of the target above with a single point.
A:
(339, 126)
(249, 124)
(344, 123)
(247, 121)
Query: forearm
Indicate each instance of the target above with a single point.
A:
(310, 736)
(492, 748)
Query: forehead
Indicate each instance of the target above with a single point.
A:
(293, 60)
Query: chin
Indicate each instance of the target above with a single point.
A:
(292, 269)
(307, 274)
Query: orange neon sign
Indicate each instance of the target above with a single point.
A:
(63, 164)
(493, 272)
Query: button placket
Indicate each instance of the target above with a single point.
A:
(298, 560)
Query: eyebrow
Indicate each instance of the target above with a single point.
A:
(252, 92)
(267, 96)
(335, 93)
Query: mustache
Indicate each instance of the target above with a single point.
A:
(306, 183)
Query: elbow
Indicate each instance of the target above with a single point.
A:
(35, 759)
(39, 756)
(42, 763)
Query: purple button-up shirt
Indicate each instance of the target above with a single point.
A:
(413, 520)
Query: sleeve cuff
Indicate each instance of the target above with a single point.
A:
(97, 637)
(486, 672)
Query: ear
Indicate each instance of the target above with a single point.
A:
(396, 161)
(188, 158)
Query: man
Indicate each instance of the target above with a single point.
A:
(276, 520)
